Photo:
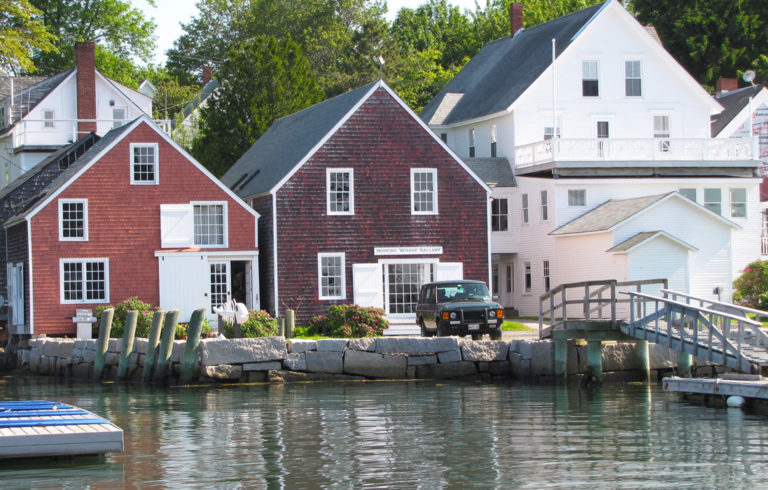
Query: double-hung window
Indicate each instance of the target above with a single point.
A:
(423, 191)
(144, 158)
(84, 280)
(119, 116)
(524, 207)
(577, 197)
(472, 136)
(340, 191)
(632, 78)
(528, 277)
(544, 206)
(713, 200)
(330, 272)
(499, 215)
(589, 78)
(546, 276)
(210, 224)
(738, 202)
(73, 220)
(661, 131)
(49, 116)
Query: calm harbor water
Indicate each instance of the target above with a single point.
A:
(401, 434)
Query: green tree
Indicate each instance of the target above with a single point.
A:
(262, 80)
(420, 77)
(113, 24)
(21, 33)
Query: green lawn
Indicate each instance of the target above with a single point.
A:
(509, 326)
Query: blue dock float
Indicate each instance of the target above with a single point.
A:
(41, 428)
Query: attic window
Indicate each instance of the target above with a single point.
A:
(144, 157)
(589, 78)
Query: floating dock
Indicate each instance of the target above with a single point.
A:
(40, 428)
(743, 385)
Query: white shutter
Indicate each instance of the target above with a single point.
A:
(367, 285)
(449, 271)
(177, 227)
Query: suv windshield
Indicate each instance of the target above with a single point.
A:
(462, 292)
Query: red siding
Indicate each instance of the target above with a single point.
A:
(381, 142)
(124, 226)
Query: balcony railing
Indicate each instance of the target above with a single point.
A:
(40, 132)
(651, 149)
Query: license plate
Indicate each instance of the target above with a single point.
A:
(473, 326)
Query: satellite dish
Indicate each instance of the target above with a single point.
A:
(748, 76)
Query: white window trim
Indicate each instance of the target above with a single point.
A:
(543, 194)
(225, 211)
(581, 87)
(155, 148)
(731, 202)
(320, 257)
(525, 205)
(351, 172)
(576, 205)
(84, 261)
(122, 121)
(640, 60)
(84, 238)
(46, 121)
(432, 171)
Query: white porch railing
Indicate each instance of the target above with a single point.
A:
(650, 149)
(62, 131)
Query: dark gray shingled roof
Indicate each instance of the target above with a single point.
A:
(197, 100)
(26, 100)
(608, 215)
(496, 172)
(496, 76)
(19, 84)
(67, 174)
(286, 143)
(733, 102)
(636, 240)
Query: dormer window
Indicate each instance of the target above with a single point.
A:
(144, 158)
(589, 78)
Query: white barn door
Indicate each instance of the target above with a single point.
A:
(367, 285)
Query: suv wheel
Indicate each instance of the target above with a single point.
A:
(442, 331)
(496, 334)
(424, 331)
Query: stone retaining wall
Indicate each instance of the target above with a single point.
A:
(274, 359)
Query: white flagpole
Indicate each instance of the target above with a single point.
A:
(554, 91)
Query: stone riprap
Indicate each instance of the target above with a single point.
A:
(273, 359)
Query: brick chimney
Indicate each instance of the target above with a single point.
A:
(515, 17)
(726, 84)
(85, 57)
(207, 75)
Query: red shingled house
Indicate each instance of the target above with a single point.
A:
(360, 202)
(135, 215)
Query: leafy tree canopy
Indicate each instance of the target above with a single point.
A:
(262, 80)
(21, 33)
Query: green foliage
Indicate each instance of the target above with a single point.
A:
(421, 77)
(22, 33)
(259, 324)
(262, 80)
(182, 328)
(143, 322)
(751, 287)
(350, 321)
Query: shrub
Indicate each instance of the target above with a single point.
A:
(259, 324)
(350, 321)
(143, 322)
(181, 329)
(751, 287)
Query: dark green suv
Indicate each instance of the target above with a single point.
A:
(458, 308)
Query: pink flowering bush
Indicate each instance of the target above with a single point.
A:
(751, 287)
(259, 324)
(350, 321)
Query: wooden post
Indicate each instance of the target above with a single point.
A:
(595, 358)
(105, 327)
(290, 318)
(127, 348)
(166, 345)
(281, 327)
(154, 341)
(643, 350)
(613, 304)
(684, 363)
(586, 301)
(193, 342)
(561, 358)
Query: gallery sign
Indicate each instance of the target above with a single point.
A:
(408, 250)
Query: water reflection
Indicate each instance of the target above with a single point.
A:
(404, 434)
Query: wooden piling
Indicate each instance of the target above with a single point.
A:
(166, 345)
(643, 350)
(595, 358)
(561, 357)
(127, 347)
(105, 327)
(290, 319)
(193, 343)
(684, 363)
(152, 345)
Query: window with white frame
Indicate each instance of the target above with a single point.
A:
(340, 191)
(633, 85)
(119, 116)
(528, 277)
(510, 278)
(546, 276)
(688, 192)
(602, 130)
(472, 143)
(209, 224)
(84, 280)
(713, 199)
(544, 206)
(738, 202)
(589, 78)
(330, 272)
(144, 159)
(499, 215)
(48, 118)
(577, 197)
(524, 207)
(423, 191)
(549, 132)
(493, 141)
(73, 220)
(661, 131)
